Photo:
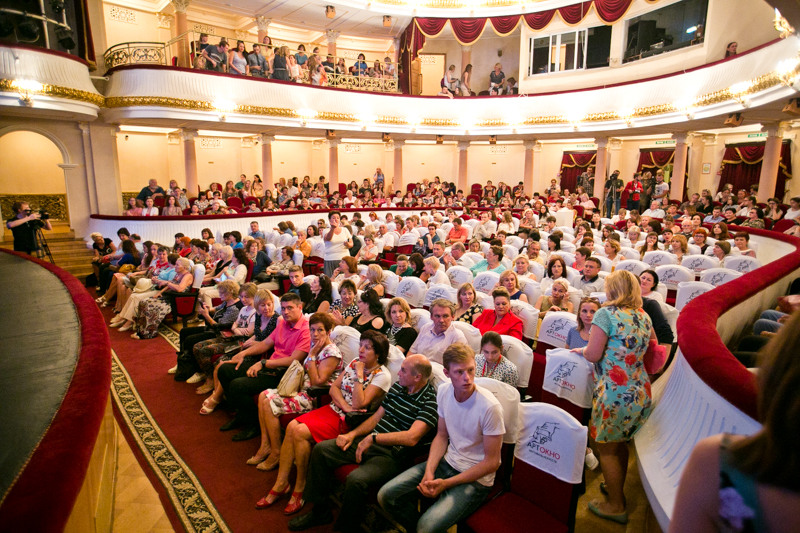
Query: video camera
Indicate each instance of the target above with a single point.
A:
(43, 214)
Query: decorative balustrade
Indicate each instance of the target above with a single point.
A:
(135, 53)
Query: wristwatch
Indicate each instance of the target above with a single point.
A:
(374, 437)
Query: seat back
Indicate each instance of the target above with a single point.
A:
(413, 290)
(629, 253)
(568, 257)
(719, 276)
(438, 290)
(538, 270)
(742, 263)
(390, 282)
(395, 361)
(347, 339)
(632, 265)
(198, 273)
(486, 281)
(529, 315)
(699, 262)
(420, 318)
(485, 300)
(555, 328)
(510, 251)
(472, 334)
(659, 258)
(515, 242)
(689, 290)
(521, 355)
(459, 275)
(509, 401)
(605, 263)
(671, 275)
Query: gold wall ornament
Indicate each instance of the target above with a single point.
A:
(9, 86)
(55, 204)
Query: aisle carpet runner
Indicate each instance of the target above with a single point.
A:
(199, 473)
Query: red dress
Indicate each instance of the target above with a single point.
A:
(510, 324)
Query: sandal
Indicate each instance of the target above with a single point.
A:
(299, 502)
(100, 300)
(270, 463)
(254, 460)
(272, 497)
(621, 518)
(209, 405)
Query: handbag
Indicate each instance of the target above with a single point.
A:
(353, 419)
(292, 380)
(126, 269)
(655, 357)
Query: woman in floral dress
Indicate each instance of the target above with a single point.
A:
(620, 334)
(322, 366)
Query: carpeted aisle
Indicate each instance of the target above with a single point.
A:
(196, 468)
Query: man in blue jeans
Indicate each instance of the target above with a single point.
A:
(459, 474)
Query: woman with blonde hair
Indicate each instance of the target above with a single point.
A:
(510, 282)
(507, 224)
(558, 299)
(612, 247)
(398, 329)
(620, 334)
(679, 247)
(373, 279)
(432, 273)
(522, 268)
(468, 307)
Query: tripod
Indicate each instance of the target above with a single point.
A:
(42, 249)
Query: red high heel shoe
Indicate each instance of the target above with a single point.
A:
(298, 504)
(272, 497)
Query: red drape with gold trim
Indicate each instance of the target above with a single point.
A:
(573, 164)
(741, 166)
(652, 160)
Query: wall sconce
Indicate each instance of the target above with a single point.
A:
(387, 21)
(492, 139)
(330, 12)
(330, 134)
(734, 120)
(385, 137)
(26, 90)
(440, 139)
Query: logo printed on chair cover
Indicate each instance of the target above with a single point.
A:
(718, 278)
(564, 371)
(552, 440)
(743, 267)
(483, 283)
(559, 329)
(694, 295)
(695, 264)
(670, 274)
(542, 436)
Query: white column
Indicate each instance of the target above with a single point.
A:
(463, 146)
(262, 23)
(601, 169)
(527, 172)
(266, 161)
(331, 36)
(333, 165)
(88, 163)
(770, 165)
(397, 179)
(190, 162)
(678, 178)
(181, 27)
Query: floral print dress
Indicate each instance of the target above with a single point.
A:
(621, 401)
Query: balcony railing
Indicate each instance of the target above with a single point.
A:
(184, 51)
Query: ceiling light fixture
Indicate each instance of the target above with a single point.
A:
(330, 12)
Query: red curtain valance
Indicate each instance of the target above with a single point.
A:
(653, 159)
(469, 30)
(741, 166)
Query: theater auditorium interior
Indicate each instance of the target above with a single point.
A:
(180, 176)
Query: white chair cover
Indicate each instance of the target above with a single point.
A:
(742, 263)
(472, 334)
(390, 282)
(632, 265)
(437, 291)
(509, 400)
(659, 258)
(459, 275)
(438, 376)
(347, 339)
(555, 328)
(672, 275)
(486, 281)
(689, 290)
(420, 318)
(568, 375)
(521, 355)
(719, 276)
(395, 361)
(699, 262)
(529, 315)
(413, 290)
(510, 251)
(551, 440)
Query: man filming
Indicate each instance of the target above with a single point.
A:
(24, 226)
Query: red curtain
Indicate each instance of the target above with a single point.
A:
(505, 25)
(573, 164)
(468, 30)
(574, 14)
(652, 160)
(741, 166)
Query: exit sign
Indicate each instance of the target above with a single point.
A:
(584, 146)
(665, 142)
(755, 135)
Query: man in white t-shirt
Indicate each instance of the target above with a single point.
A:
(338, 242)
(464, 455)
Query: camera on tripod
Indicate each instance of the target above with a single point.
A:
(43, 214)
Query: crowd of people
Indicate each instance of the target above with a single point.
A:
(265, 60)
(248, 342)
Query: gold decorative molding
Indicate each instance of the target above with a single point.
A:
(55, 204)
(9, 86)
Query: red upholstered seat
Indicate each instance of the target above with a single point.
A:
(505, 513)
(782, 225)
(342, 472)
(234, 201)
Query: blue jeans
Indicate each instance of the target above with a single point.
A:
(768, 322)
(612, 203)
(399, 498)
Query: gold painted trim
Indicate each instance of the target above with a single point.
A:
(759, 84)
(7, 86)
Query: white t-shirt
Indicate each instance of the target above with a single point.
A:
(334, 248)
(791, 214)
(439, 278)
(467, 423)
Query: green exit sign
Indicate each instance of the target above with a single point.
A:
(666, 142)
(755, 135)
(584, 146)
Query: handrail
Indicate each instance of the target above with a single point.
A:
(135, 53)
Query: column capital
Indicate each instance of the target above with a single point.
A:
(331, 36)
(773, 129)
(398, 143)
(181, 6)
(466, 48)
(84, 127)
(531, 144)
(333, 143)
(262, 23)
(463, 146)
(682, 138)
(265, 139)
(709, 139)
(163, 21)
(114, 130)
(188, 135)
(242, 35)
(601, 142)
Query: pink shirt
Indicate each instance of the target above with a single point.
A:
(458, 234)
(290, 338)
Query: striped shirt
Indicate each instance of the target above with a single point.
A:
(403, 409)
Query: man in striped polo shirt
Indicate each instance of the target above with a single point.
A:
(383, 446)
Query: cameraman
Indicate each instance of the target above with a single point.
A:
(24, 226)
